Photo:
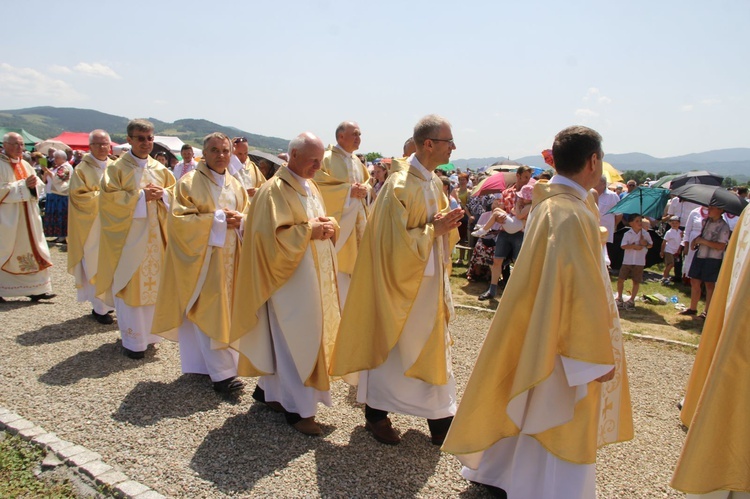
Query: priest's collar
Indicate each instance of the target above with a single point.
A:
(302, 181)
(413, 161)
(218, 177)
(235, 165)
(102, 164)
(559, 179)
(349, 154)
(140, 162)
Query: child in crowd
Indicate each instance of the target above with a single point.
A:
(671, 247)
(510, 222)
(636, 243)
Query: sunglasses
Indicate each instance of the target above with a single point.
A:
(239, 140)
(141, 138)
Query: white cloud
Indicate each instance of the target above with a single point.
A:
(687, 108)
(55, 68)
(586, 113)
(96, 69)
(28, 83)
(160, 102)
(603, 100)
(710, 102)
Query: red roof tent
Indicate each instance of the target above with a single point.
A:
(76, 140)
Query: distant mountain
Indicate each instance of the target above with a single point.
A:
(46, 122)
(733, 162)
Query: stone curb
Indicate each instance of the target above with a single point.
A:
(634, 335)
(80, 459)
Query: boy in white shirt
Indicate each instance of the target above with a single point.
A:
(636, 243)
(671, 247)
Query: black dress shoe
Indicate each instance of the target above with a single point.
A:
(492, 490)
(132, 354)
(487, 295)
(102, 318)
(43, 296)
(229, 385)
(2, 300)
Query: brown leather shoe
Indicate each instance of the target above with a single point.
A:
(383, 432)
(308, 426)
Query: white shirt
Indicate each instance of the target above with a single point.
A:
(673, 238)
(635, 257)
(607, 200)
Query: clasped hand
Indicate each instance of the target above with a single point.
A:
(444, 223)
(359, 191)
(31, 181)
(322, 228)
(153, 192)
(234, 219)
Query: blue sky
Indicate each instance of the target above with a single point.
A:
(659, 77)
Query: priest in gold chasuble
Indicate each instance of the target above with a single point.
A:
(194, 303)
(286, 303)
(550, 384)
(344, 182)
(133, 203)
(84, 225)
(394, 328)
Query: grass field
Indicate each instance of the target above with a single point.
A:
(653, 320)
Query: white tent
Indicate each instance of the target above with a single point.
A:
(174, 144)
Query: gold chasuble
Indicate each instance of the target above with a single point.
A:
(558, 302)
(396, 247)
(131, 250)
(281, 264)
(23, 248)
(198, 280)
(249, 175)
(337, 173)
(83, 215)
(716, 455)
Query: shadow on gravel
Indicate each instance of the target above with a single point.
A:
(23, 302)
(151, 401)
(261, 445)
(63, 331)
(100, 363)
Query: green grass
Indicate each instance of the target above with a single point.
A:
(662, 321)
(18, 459)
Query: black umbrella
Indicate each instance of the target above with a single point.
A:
(696, 177)
(711, 195)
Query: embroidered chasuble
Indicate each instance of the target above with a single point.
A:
(24, 254)
(282, 264)
(716, 454)
(131, 249)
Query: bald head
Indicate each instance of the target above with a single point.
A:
(348, 136)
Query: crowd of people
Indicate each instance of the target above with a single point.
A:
(320, 271)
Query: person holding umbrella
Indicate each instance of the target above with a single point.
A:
(709, 247)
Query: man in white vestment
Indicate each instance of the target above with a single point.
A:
(286, 307)
(243, 169)
(187, 164)
(24, 254)
(198, 280)
(344, 182)
(133, 206)
(84, 226)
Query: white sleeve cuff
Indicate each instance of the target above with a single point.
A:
(218, 229)
(581, 373)
(165, 198)
(140, 208)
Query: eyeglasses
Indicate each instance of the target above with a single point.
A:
(100, 144)
(141, 138)
(450, 141)
(239, 140)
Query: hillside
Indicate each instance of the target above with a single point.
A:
(48, 122)
(733, 162)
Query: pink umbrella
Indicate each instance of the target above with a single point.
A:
(497, 182)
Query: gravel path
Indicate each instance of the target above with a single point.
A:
(64, 371)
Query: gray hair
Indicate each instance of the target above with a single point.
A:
(428, 127)
(7, 136)
(343, 126)
(98, 132)
(211, 136)
(61, 154)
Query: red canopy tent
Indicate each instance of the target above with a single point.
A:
(76, 140)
